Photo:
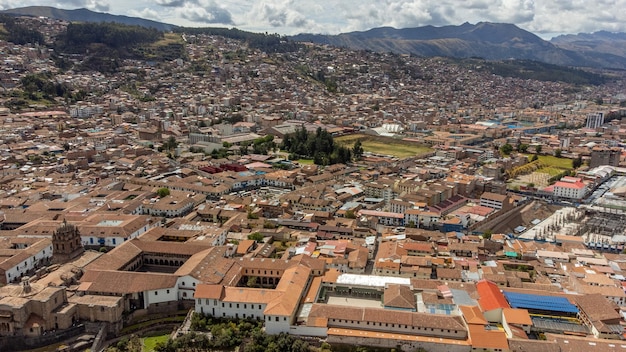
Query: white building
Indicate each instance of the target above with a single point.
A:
(570, 187)
(595, 120)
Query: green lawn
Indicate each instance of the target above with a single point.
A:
(384, 145)
(149, 343)
(561, 163)
(305, 161)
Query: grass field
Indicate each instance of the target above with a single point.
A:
(384, 145)
(552, 171)
(149, 343)
(305, 161)
(561, 163)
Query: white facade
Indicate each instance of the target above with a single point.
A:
(595, 120)
(491, 203)
(235, 310)
(164, 295)
(28, 263)
(114, 241)
(186, 287)
(570, 191)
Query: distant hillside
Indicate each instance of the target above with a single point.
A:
(601, 42)
(491, 41)
(84, 15)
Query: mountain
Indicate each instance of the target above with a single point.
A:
(84, 15)
(491, 41)
(601, 42)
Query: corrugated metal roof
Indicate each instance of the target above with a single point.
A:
(538, 302)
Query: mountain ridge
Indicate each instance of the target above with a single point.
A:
(85, 15)
(488, 40)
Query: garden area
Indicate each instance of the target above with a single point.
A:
(539, 173)
(384, 145)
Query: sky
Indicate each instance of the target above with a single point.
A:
(542, 17)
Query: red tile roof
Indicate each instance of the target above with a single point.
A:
(490, 296)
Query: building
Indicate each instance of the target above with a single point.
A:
(570, 187)
(595, 120)
(604, 156)
(66, 243)
(493, 200)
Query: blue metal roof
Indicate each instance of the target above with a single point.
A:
(546, 303)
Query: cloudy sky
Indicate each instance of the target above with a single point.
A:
(542, 17)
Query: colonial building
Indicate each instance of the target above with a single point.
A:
(66, 243)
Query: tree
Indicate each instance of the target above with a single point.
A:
(163, 192)
(487, 234)
(557, 153)
(357, 149)
(538, 149)
(535, 157)
(170, 144)
(506, 149)
(522, 148)
(252, 280)
(578, 162)
(256, 236)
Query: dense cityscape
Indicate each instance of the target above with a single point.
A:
(341, 197)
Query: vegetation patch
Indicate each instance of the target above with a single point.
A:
(384, 145)
(529, 69)
(553, 161)
(149, 343)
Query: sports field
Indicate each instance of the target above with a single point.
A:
(384, 145)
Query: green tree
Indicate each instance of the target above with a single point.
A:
(538, 149)
(487, 234)
(522, 148)
(256, 236)
(163, 192)
(506, 149)
(578, 162)
(357, 149)
(252, 281)
(170, 144)
(557, 153)
(534, 157)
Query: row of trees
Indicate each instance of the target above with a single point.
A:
(318, 146)
(269, 43)
(115, 35)
(20, 34)
(247, 335)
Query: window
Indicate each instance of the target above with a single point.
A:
(168, 292)
(156, 293)
(276, 318)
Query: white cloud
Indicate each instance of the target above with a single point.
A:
(332, 16)
(146, 13)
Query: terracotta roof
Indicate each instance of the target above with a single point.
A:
(123, 282)
(399, 296)
(490, 296)
(516, 316)
(423, 320)
(487, 339)
(473, 315)
(533, 345)
(208, 291)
